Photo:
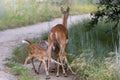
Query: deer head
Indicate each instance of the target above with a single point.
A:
(65, 14)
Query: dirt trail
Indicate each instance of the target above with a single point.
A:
(11, 37)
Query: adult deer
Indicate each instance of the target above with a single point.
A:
(59, 35)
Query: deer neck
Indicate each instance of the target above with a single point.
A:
(64, 22)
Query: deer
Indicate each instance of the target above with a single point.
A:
(35, 51)
(58, 35)
(42, 44)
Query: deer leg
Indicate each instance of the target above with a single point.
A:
(34, 66)
(46, 69)
(39, 66)
(69, 66)
(28, 58)
(61, 58)
(37, 72)
(58, 67)
(48, 64)
(63, 69)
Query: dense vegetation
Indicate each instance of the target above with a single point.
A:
(109, 12)
(92, 53)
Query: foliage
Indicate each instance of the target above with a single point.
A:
(44, 36)
(19, 69)
(96, 39)
(108, 11)
(88, 51)
(23, 72)
(19, 13)
(26, 76)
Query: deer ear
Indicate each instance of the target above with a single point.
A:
(68, 9)
(62, 10)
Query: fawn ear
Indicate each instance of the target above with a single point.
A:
(68, 9)
(62, 10)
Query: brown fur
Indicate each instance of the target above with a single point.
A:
(40, 53)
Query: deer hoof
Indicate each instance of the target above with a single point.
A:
(65, 75)
(57, 75)
(73, 73)
(47, 77)
(52, 70)
(37, 72)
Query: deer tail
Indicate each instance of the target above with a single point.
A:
(26, 41)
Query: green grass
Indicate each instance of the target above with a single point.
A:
(92, 50)
(96, 40)
(91, 53)
(25, 13)
(19, 69)
(23, 72)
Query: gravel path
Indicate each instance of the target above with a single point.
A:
(11, 37)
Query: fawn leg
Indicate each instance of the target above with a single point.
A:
(46, 69)
(34, 66)
(28, 58)
(39, 66)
